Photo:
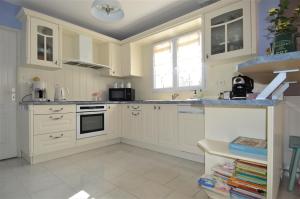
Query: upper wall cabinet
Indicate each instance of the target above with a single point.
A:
(231, 31)
(131, 60)
(41, 44)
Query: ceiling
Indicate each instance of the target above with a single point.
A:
(140, 15)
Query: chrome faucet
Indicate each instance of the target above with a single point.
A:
(174, 96)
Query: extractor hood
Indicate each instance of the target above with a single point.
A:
(85, 55)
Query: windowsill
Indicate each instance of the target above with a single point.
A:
(172, 90)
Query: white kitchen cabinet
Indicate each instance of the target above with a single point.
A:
(190, 128)
(160, 125)
(115, 60)
(132, 122)
(231, 31)
(114, 117)
(40, 44)
(167, 125)
(131, 60)
(150, 133)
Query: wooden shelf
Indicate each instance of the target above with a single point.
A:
(261, 68)
(221, 149)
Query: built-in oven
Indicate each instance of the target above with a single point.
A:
(91, 120)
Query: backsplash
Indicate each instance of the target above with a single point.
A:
(81, 82)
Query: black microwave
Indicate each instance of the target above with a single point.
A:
(121, 94)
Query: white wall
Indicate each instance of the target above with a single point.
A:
(81, 82)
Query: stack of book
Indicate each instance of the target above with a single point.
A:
(249, 180)
(217, 181)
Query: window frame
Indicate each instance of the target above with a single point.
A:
(175, 86)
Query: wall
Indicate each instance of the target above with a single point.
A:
(8, 15)
(81, 82)
(264, 6)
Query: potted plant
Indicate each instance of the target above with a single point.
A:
(282, 28)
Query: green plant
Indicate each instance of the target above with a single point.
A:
(280, 22)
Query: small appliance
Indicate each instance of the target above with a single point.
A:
(91, 120)
(39, 92)
(241, 86)
(121, 94)
(60, 93)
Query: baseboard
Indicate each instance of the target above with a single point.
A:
(70, 151)
(169, 151)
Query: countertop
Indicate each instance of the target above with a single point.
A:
(205, 102)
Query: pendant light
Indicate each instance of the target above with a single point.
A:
(107, 10)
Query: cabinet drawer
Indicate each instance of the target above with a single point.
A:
(53, 141)
(51, 109)
(43, 124)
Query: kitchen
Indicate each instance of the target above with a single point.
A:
(109, 116)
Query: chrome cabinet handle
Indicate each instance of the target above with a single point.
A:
(56, 137)
(56, 118)
(127, 106)
(135, 114)
(154, 107)
(158, 107)
(56, 110)
(135, 107)
(56, 62)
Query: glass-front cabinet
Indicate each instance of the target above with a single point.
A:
(44, 44)
(228, 31)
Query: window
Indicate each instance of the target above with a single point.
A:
(177, 63)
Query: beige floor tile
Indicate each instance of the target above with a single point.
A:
(117, 194)
(161, 175)
(175, 195)
(128, 181)
(151, 190)
(184, 185)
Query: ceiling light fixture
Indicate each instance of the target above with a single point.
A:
(107, 10)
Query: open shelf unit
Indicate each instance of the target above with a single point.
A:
(222, 149)
(224, 124)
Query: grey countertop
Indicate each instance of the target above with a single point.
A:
(205, 102)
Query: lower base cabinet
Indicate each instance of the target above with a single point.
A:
(114, 124)
(190, 129)
(132, 123)
(160, 125)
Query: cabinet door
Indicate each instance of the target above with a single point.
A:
(137, 126)
(114, 121)
(126, 122)
(228, 32)
(131, 60)
(44, 46)
(149, 124)
(191, 130)
(167, 125)
(115, 60)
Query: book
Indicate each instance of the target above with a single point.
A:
(251, 178)
(237, 183)
(250, 146)
(248, 193)
(254, 168)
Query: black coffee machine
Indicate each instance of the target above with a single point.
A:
(241, 86)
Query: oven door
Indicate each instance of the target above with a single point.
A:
(90, 124)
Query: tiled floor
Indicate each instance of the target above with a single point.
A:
(116, 172)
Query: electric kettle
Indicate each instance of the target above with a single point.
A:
(60, 93)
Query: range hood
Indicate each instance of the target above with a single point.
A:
(85, 55)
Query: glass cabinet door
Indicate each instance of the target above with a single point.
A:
(44, 44)
(227, 32)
